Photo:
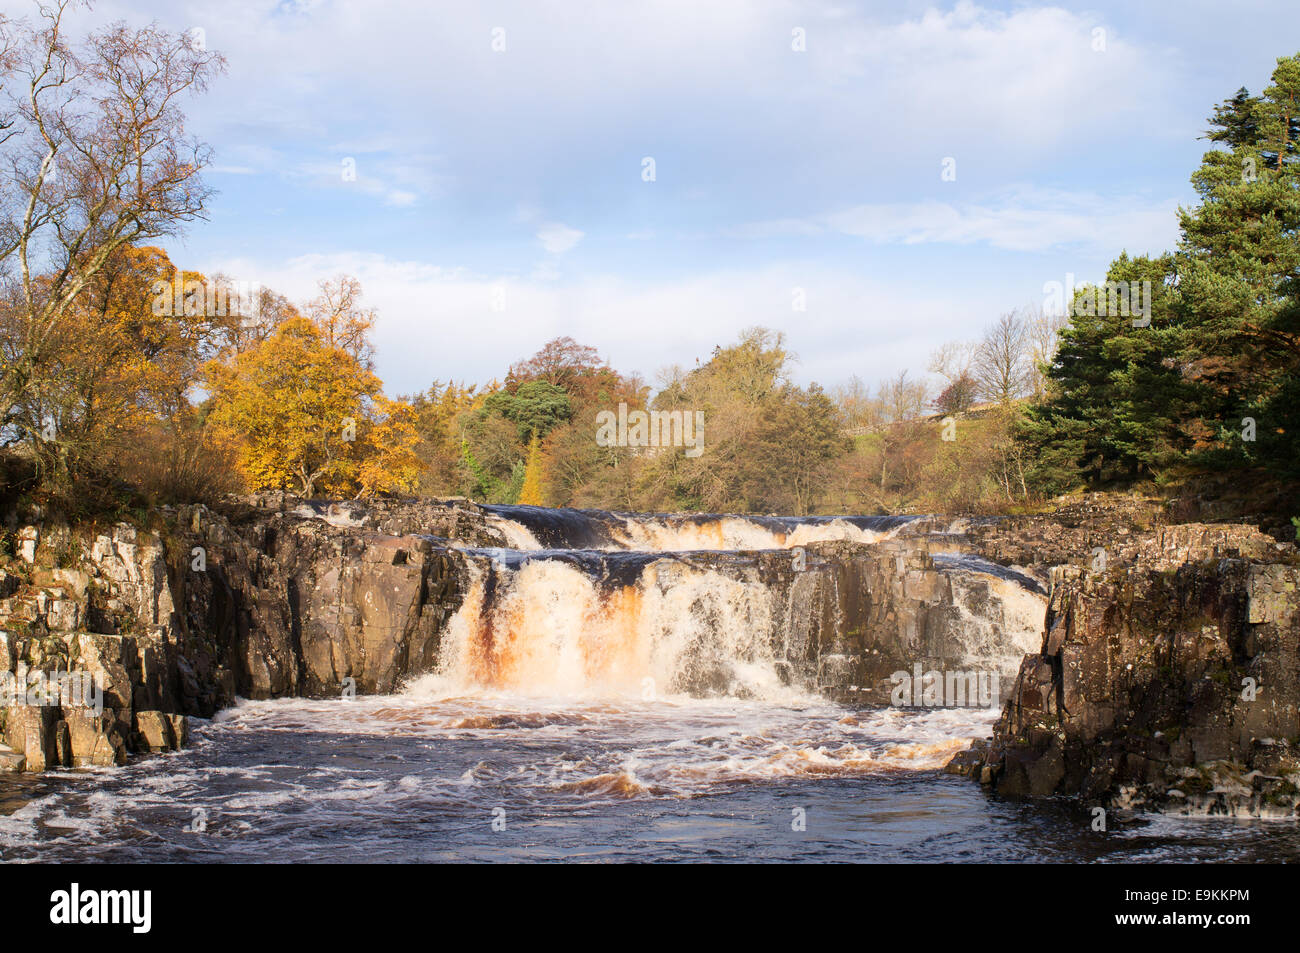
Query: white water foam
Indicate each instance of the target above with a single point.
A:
(663, 535)
(548, 627)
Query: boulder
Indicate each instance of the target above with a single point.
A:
(155, 731)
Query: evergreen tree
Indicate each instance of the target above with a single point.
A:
(1212, 380)
(1240, 276)
(1114, 400)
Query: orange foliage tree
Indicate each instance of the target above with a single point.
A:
(295, 403)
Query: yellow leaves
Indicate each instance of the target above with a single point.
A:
(533, 492)
(391, 464)
(297, 403)
(312, 419)
(113, 363)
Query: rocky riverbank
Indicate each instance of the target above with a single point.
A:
(1168, 678)
(1131, 694)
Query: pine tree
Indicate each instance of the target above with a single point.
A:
(1236, 120)
(1114, 399)
(1240, 275)
(1213, 381)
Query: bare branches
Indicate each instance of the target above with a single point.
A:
(94, 156)
(345, 324)
(1001, 364)
(1044, 334)
(952, 360)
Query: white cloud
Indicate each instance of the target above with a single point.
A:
(834, 147)
(967, 80)
(437, 323)
(557, 238)
(978, 77)
(1018, 219)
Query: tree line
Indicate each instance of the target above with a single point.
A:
(128, 380)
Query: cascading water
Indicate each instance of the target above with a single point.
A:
(588, 602)
(529, 528)
(619, 687)
(550, 624)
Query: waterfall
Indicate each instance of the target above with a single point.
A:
(586, 602)
(551, 625)
(533, 527)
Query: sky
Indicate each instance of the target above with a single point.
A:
(652, 176)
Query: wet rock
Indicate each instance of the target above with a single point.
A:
(180, 729)
(31, 731)
(11, 761)
(96, 739)
(1146, 674)
(155, 730)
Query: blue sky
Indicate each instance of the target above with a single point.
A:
(499, 197)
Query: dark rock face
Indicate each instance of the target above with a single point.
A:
(258, 604)
(1134, 692)
(296, 605)
(1169, 682)
(858, 614)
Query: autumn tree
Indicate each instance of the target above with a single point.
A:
(958, 396)
(857, 407)
(563, 363)
(388, 462)
(95, 158)
(437, 414)
(533, 492)
(341, 318)
(297, 405)
(902, 398)
(255, 312)
(768, 443)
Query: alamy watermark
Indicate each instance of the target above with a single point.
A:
(1110, 299)
(936, 689)
(76, 906)
(207, 298)
(39, 689)
(651, 429)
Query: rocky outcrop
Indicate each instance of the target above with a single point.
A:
(856, 615)
(298, 605)
(1134, 691)
(90, 663)
(271, 597)
(1169, 681)
(276, 597)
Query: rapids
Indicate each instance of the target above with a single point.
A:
(610, 687)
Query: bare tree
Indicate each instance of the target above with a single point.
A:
(952, 360)
(337, 311)
(1044, 333)
(94, 157)
(856, 406)
(254, 314)
(1001, 363)
(903, 399)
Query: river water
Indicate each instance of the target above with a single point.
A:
(430, 776)
(556, 728)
